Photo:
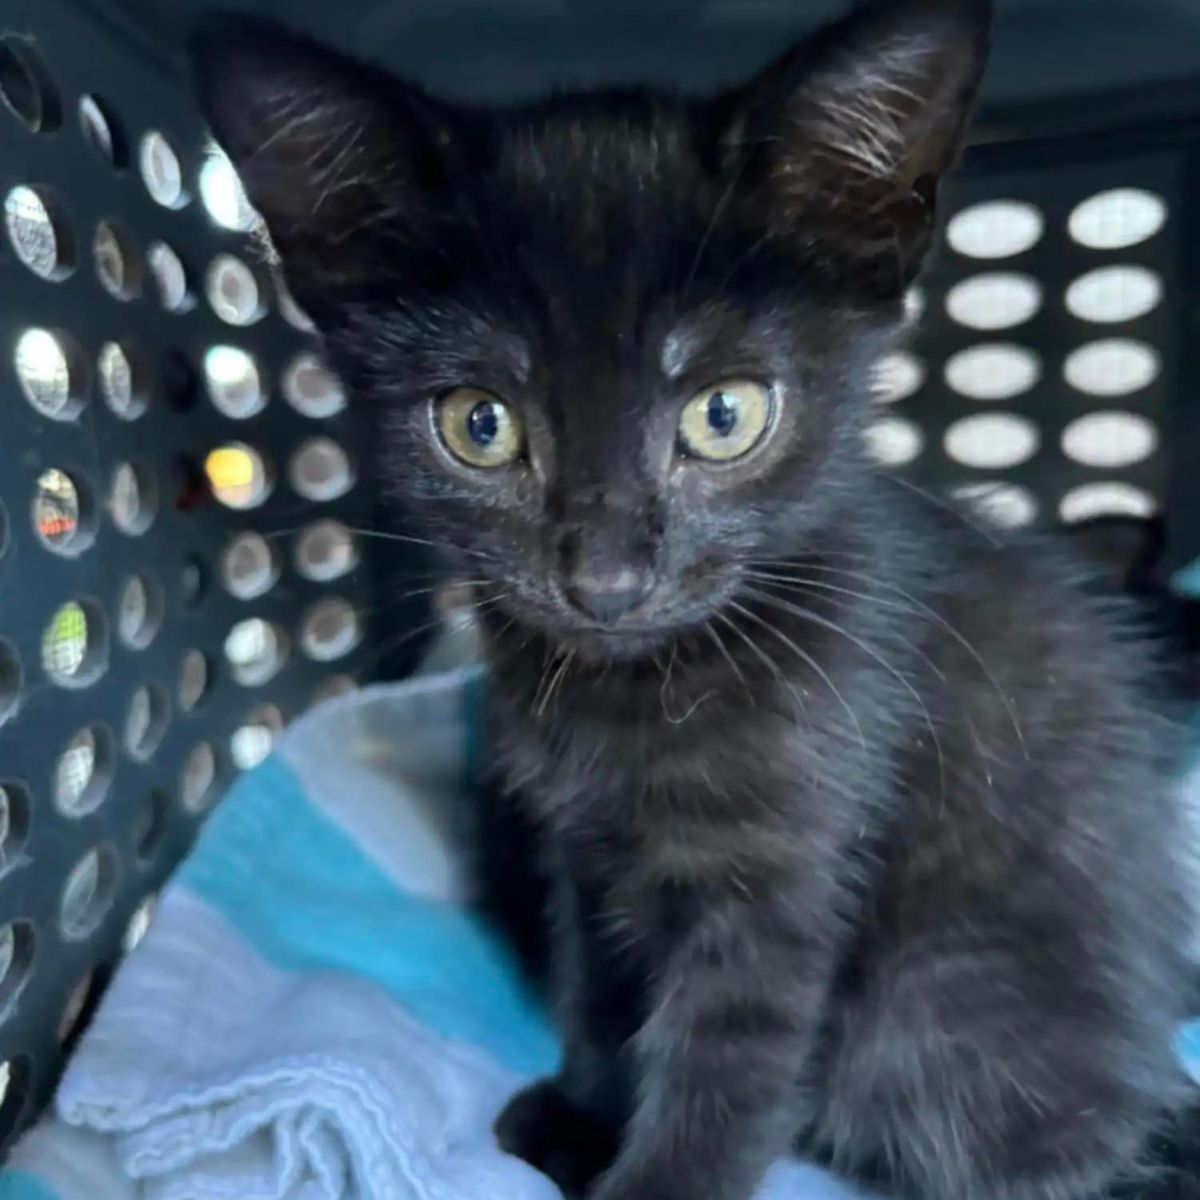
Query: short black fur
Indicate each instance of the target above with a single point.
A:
(857, 818)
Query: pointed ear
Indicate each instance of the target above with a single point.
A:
(847, 136)
(340, 159)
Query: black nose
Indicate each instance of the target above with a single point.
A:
(608, 597)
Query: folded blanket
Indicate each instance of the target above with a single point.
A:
(313, 1015)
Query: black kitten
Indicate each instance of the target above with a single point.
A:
(858, 823)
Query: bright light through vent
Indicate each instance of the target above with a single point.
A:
(992, 441)
(998, 300)
(222, 193)
(997, 371)
(894, 441)
(1106, 499)
(996, 229)
(1110, 439)
(1112, 294)
(1112, 367)
(1117, 219)
(238, 475)
(1004, 504)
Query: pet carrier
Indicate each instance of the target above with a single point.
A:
(183, 486)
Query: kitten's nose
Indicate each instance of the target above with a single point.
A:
(609, 596)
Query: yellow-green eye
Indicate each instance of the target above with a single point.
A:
(479, 428)
(725, 421)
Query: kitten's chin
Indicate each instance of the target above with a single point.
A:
(616, 645)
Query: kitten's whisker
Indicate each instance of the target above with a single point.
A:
(812, 587)
(808, 615)
(807, 658)
(556, 679)
(711, 630)
(953, 509)
(942, 622)
(766, 660)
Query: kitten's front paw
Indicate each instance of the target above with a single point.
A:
(541, 1126)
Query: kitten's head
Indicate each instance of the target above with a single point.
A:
(619, 344)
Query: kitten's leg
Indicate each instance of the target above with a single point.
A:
(720, 1060)
(997, 1060)
(568, 1127)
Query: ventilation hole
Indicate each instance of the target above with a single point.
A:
(326, 551)
(253, 741)
(992, 441)
(193, 582)
(83, 772)
(915, 304)
(139, 923)
(146, 722)
(17, 941)
(117, 260)
(16, 1081)
(998, 300)
(64, 517)
(161, 172)
(232, 291)
(333, 687)
(101, 132)
(997, 371)
(320, 470)
(249, 566)
(1112, 367)
(72, 1021)
(75, 644)
(234, 383)
(122, 378)
(51, 372)
(16, 808)
(291, 312)
(88, 894)
(1117, 219)
(894, 441)
(193, 680)
(133, 499)
(330, 630)
(11, 678)
(1111, 294)
(1004, 504)
(139, 612)
(1105, 500)
(238, 475)
(996, 229)
(26, 87)
(198, 783)
(256, 651)
(1109, 439)
(170, 277)
(40, 232)
(899, 376)
(222, 193)
(311, 388)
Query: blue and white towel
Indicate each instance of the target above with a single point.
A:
(313, 1015)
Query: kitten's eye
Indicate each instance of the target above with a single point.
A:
(725, 421)
(479, 428)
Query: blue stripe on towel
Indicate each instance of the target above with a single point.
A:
(1187, 580)
(307, 898)
(19, 1185)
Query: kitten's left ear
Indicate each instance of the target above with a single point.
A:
(846, 137)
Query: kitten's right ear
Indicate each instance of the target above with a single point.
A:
(340, 158)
